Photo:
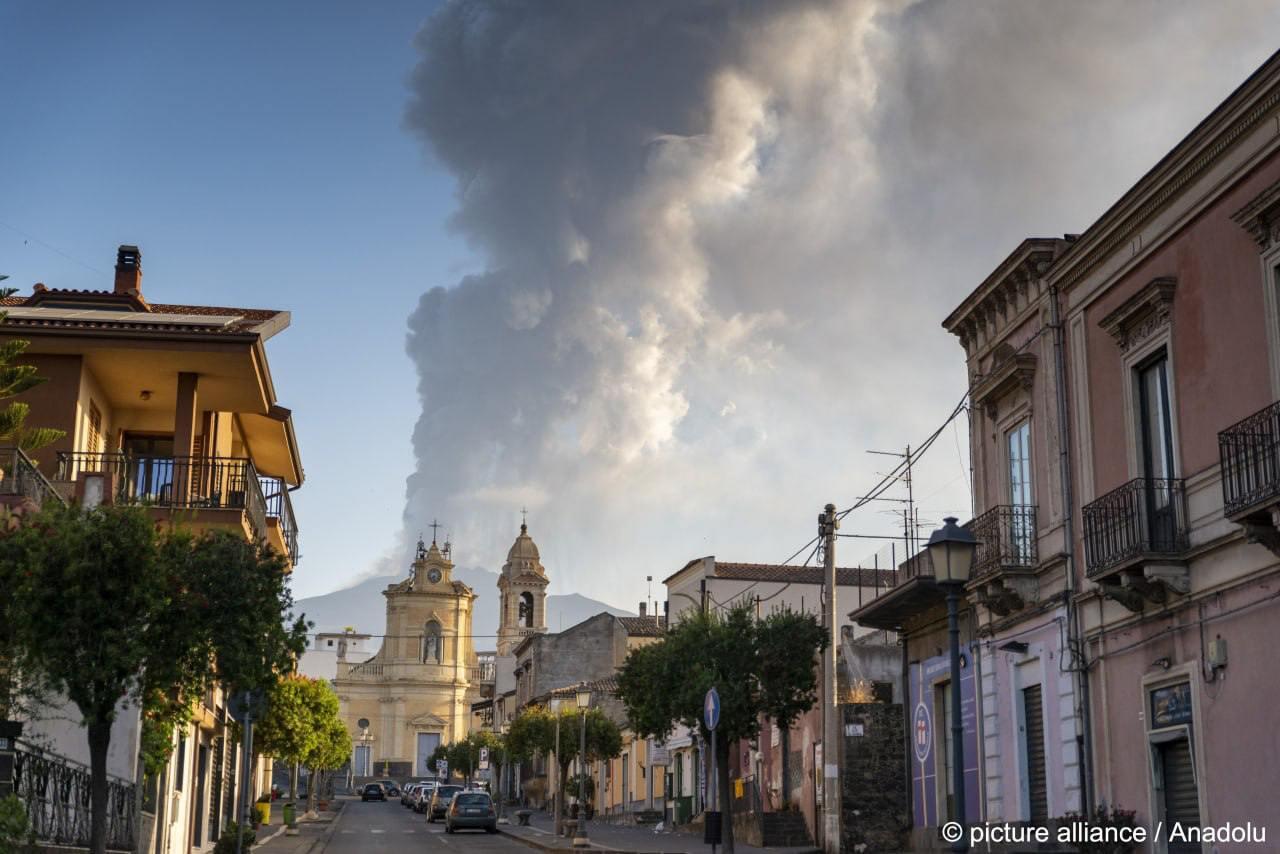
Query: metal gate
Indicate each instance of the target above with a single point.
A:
(1033, 735)
(1180, 795)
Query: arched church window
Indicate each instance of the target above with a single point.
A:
(526, 609)
(432, 644)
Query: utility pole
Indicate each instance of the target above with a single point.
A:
(832, 742)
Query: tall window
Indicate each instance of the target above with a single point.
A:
(526, 609)
(1155, 433)
(432, 644)
(1020, 531)
(95, 430)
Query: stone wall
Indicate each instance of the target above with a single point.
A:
(874, 784)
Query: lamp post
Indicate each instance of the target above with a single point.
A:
(506, 771)
(951, 551)
(580, 839)
(555, 792)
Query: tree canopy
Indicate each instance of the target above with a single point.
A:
(765, 667)
(106, 609)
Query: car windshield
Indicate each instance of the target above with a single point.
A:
(448, 791)
(373, 787)
(471, 799)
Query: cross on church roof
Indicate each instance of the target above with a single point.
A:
(524, 519)
(434, 526)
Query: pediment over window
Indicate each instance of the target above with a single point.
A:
(427, 720)
(1261, 217)
(1013, 372)
(1143, 314)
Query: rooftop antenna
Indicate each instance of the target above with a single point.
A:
(910, 516)
(649, 596)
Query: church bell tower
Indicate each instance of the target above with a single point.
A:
(523, 593)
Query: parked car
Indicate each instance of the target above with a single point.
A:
(373, 792)
(391, 787)
(440, 799)
(471, 809)
(422, 795)
(406, 794)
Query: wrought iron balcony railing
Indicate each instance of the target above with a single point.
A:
(56, 794)
(21, 477)
(195, 483)
(1250, 454)
(1146, 517)
(1007, 539)
(276, 494)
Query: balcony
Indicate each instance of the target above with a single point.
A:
(176, 483)
(910, 591)
(21, 481)
(275, 492)
(481, 673)
(1250, 455)
(1135, 541)
(1004, 566)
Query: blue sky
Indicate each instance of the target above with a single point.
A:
(257, 158)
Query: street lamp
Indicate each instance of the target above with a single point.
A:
(580, 839)
(951, 550)
(504, 777)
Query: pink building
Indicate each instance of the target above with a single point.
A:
(1170, 312)
(1126, 451)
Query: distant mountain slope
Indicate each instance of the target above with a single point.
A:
(363, 606)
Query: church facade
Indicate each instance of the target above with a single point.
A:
(416, 692)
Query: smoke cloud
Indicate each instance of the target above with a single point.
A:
(719, 239)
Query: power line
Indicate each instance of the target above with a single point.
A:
(53, 248)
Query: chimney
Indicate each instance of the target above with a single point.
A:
(128, 270)
(644, 606)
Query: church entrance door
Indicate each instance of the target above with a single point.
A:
(427, 744)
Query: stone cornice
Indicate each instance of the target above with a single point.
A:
(1004, 294)
(1142, 314)
(1244, 110)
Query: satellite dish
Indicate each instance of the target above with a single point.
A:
(363, 723)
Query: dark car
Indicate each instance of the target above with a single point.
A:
(440, 800)
(372, 792)
(471, 809)
(390, 787)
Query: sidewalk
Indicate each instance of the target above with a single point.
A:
(312, 832)
(628, 838)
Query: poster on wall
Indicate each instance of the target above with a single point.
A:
(930, 731)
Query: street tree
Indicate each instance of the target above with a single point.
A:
(759, 668)
(604, 741)
(14, 380)
(294, 727)
(109, 610)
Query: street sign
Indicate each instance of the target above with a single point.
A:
(248, 704)
(442, 767)
(711, 709)
(484, 759)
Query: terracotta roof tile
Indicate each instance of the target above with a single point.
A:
(644, 626)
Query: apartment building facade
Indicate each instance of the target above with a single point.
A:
(172, 407)
(1170, 311)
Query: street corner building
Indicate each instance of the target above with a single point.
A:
(171, 407)
(417, 691)
(1125, 441)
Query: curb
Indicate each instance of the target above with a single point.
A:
(321, 842)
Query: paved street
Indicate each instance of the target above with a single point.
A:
(389, 827)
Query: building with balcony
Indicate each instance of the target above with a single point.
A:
(1030, 702)
(417, 691)
(1172, 322)
(172, 407)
